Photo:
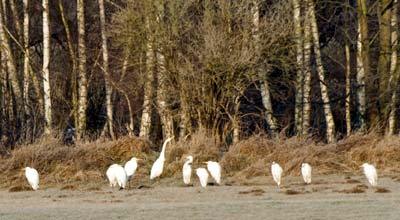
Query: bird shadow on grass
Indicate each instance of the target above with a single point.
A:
(19, 188)
(382, 190)
(254, 192)
(356, 189)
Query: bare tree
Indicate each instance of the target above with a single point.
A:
(108, 87)
(300, 66)
(264, 87)
(384, 56)
(146, 120)
(394, 70)
(307, 74)
(46, 67)
(82, 70)
(330, 123)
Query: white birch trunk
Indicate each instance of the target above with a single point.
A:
(82, 80)
(300, 67)
(108, 88)
(26, 55)
(162, 98)
(264, 87)
(330, 124)
(46, 69)
(361, 105)
(307, 75)
(348, 89)
(394, 77)
(146, 120)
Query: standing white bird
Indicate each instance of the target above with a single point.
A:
(306, 172)
(215, 170)
(371, 174)
(276, 171)
(187, 170)
(111, 176)
(116, 175)
(203, 176)
(131, 166)
(32, 176)
(158, 166)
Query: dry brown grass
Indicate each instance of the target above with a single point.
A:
(253, 157)
(200, 145)
(88, 162)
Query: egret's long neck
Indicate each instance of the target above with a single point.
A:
(162, 154)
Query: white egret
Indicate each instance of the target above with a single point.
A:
(187, 170)
(111, 176)
(371, 174)
(158, 166)
(276, 171)
(215, 170)
(32, 176)
(117, 175)
(131, 166)
(306, 172)
(203, 176)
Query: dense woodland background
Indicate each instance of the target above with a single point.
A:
(230, 68)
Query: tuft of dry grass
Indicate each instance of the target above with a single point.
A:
(253, 157)
(202, 146)
(83, 163)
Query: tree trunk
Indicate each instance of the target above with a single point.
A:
(17, 21)
(300, 67)
(384, 57)
(74, 62)
(146, 120)
(8, 59)
(162, 98)
(26, 55)
(82, 69)
(394, 71)
(361, 105)
(348, 89)
(307, 74)
(330, 124)
(264, 87)
(46, 65)
(348, 75)
(108, 88)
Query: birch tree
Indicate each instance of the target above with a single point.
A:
(26, 54)
(9, 62)
(362, 62)
(384, 56)
(394, 71)
(146, 119)
(108, 88)
(330, 124)
(307, 73)
(82, 81)
(46, 67)
(300, 66)
(264, 87)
